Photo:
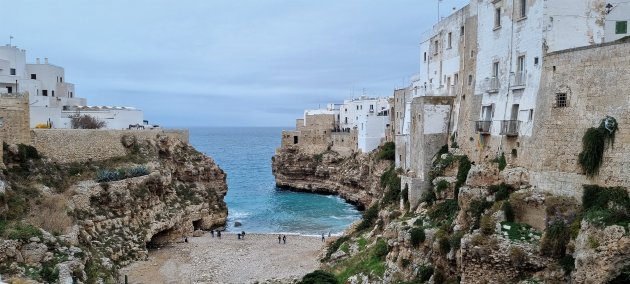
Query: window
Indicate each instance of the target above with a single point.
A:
(45, 93)
(71, 95)
(435, 47)
(60, 79)
(461, 31)
(12, 71)
(53, 93)
(9, 89)
(523, 8)
(497, 17)
(470, 79)
(561, 100)
(295, 139)
(530, 117)
(535, 60)
(520, 64)
(450, 40)
(495, 69)
(621, 27)
(425, 57)
(487, 113)
(34, 76)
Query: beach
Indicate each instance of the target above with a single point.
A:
(207, 259)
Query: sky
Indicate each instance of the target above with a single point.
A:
(225, 63)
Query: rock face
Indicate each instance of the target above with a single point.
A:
(356, 177)
(162, 191)
(183, 193)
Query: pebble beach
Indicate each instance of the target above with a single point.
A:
(207, 259)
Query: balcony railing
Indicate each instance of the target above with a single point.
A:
(519, 79)
(483, 126)
(494, 85)
(510, 127)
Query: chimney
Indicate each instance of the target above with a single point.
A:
(37, 60)
(46, 60)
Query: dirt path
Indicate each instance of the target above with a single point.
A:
(258, 257)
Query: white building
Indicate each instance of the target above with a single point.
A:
(370, 116)
(52, 99)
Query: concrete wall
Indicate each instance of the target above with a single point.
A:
(68, 145)
(14, 114)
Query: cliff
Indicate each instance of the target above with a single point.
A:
(84, 220)
(479, 223)
(354, 177)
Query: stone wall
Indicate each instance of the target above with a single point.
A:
(68, 145)
(14, 113)
(314, 135)
(595, 80)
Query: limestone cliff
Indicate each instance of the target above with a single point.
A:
(354, 177)
(114, 210)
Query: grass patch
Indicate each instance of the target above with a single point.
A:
(369, 218)
(442, 185)
(23, 232)
(606, 205)
(370, 262)
(519, 232)
(501, 191)
(477, 207)
(444, 212)
(333, 247)
(390, 181)
(417, 236)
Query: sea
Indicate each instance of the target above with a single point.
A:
(253, 199)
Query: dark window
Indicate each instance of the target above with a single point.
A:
(295, 139)
(34, 76)
(60, 79)
(45, 93)
(53, 93)
(536, 60)
(12, 71)
(9, 89)
(523, 8)
(425, 57)
(561, 100)
(621, 27)
(461, 31)
(497, 18)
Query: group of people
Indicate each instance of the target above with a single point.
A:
(284, 239)
(218, 233)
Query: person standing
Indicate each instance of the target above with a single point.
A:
(284, 239)
(243, 234)
(212, 233)
(323, 239)
(279, 238)
(218, 234)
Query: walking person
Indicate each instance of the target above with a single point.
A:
(323, 239)
(279, 238)
(284, 239)
(212, 233)
(218, 234)
(243, 234)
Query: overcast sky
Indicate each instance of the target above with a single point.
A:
(228, 62)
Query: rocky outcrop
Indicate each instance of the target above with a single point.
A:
(601, 254)
(162, 191)
(355, 177)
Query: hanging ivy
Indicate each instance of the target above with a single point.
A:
(594, 143)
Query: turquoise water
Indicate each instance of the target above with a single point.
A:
(253, 199)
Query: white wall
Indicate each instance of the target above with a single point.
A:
(619, 12)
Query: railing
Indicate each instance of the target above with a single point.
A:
(494, 84)
(483, 126)
(519, 79)
(510, 127)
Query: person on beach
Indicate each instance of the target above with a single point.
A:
(323, 239)
(238, 235)
(212, 233)
(185, 239)
(279, 238)
(218, 234)
(243, 234)
(328, 234)
(284, 239)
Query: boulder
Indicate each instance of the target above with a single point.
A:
(34, 252)
(198, 233)
(515, 177)
(237, 224)
(484, 174)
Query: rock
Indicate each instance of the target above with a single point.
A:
(483, 175)
(237, 224)
(33, 253)
(198, 233)
(515, 177)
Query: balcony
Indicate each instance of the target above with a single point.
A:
(510, 127)
(519, 80)
(493, 85)
(483, 126)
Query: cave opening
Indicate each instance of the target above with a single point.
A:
(196, 224)
(161, 239)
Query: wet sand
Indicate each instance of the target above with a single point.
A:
(257, 258)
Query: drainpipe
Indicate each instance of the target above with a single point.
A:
(509, 84)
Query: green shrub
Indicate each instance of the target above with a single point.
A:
(334, 246)
(27, 152)
(462, 173)
(24, 232)
(380, 249)
(418, 222)
(120, 174)
(623, 277)
(441, 185)
(425, 273)
(405, 197)
(606, 205)
(477, 207)
(444, 212)
(520, 232)
(318, 157)
(555, 240)
(502, 161)
(568, 263)
(417, 236)
(387, 151)
(501, 191)
(444, 244)
(50, 272)
(429, 197)
(369, 217)
(594, 143)
(391, 181)
(319, 277)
